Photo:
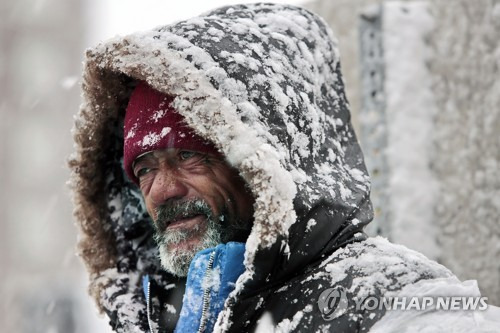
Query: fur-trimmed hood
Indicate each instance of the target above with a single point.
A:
(263, 83)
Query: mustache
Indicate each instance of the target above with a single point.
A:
(168, 213)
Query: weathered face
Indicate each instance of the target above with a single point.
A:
(196, 201)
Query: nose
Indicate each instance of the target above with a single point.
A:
(167, 186)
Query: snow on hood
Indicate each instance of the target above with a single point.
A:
(263, 83)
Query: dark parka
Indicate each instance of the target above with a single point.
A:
(263, 83)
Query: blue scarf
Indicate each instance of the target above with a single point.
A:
(211, 278)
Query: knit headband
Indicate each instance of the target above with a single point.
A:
(151, 123)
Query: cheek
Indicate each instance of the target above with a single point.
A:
(209, 188)
(150, 208)
(145, 187)
(214, 196)
(228, 193)
(145, 183)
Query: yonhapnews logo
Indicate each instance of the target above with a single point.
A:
(333, 303)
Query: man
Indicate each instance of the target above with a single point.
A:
(246, 193)
(194, 197)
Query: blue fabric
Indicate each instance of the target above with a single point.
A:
(145, 283)
(227, 267)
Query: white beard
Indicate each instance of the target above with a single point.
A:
(177, 260)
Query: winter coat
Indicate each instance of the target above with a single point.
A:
(263, 83)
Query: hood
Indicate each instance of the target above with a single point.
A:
(263, 83)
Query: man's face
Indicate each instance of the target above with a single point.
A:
(196, 201)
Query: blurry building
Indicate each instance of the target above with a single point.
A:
(42, 287)
(422, 80)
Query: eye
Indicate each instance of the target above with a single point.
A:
(142, 171)
(186, 154)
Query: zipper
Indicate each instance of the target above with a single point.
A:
(148, 307)
(206, 295)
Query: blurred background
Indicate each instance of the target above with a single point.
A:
(422, 80)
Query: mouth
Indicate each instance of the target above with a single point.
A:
(189, 215)
(186, 222)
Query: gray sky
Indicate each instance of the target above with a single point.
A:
(107, 18)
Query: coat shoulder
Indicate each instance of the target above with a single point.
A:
(375, 266)
(360, 270)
